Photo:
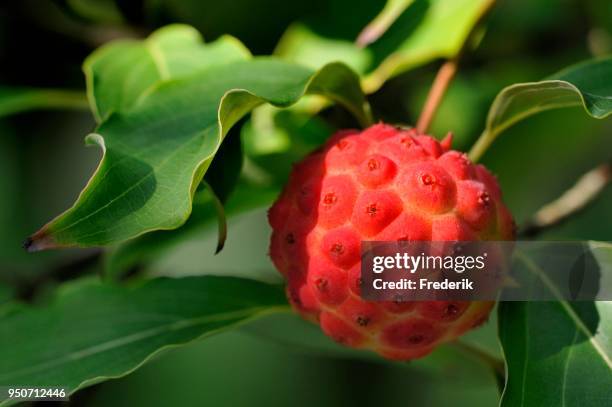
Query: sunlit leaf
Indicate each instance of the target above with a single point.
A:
(120, 73)
(302, 45)
(157, 151)
(406, 34)
(442, 33)
(586, 84)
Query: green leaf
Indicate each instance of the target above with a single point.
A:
(203, 374)
(442, 33)
(221, 218)
(273, 139)
(226, 167)
(17, 100)
(156, 153)
(381, 23)
(102, 11)
(586, 84)
(558, 353)
(447, 364)
(301, 45)
(406, 34)
(120, 73)
(93, 332)
(221, 179)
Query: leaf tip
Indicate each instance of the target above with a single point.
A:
(220, 245)
(27, 244)
(38, 241)
(366, 37)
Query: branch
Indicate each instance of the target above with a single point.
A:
(436, 93)
(574, 200)
(446, 74)
(381, 23)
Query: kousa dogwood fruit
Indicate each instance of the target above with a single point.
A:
(381, 184)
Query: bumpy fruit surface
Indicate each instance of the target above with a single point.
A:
(383, 184)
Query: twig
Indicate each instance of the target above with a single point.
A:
(381, 23)
(574, 200)
(438, 89)
(447, 73)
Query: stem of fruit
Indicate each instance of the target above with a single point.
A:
(496, 364)
(447, 73)
(572, 201)
(438, 89)
(481, 145)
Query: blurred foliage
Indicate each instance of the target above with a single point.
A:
(44, 166)
(293, 376)
(96, 331)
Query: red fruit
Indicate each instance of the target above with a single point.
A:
(411, 333)
(443, 311)
(376, 170)
(341, 246)
(387, 184)
(341, 331)
(474, 204)
(374, 210)
(328, 282)
(428, 187)
(337, 198)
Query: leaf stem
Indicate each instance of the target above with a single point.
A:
(20, 100)
(443, 78)
(62, 98)
(491, 132)
(446, 74)
(481, 145)
(496, 364)
(381, 23)
(571, 202)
